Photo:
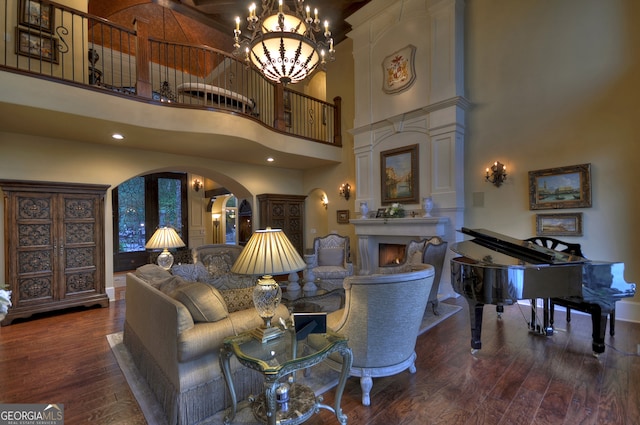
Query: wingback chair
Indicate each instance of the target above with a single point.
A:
(330, 260)
(425, 251)
(381, 317)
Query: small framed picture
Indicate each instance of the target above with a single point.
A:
(36, 45)
(343, 216)
(380, 212)
(566, 224)
(35, 14)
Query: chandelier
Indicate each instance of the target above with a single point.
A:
(282, 42)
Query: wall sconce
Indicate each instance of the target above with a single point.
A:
(197, 185)
(345, 191)
(216, 224)
(497, 174)
(325, 201)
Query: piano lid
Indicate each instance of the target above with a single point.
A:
(494, 248)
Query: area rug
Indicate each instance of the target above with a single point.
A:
(321, 380)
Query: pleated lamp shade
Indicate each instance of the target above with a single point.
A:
(269, 252)
(165, 238)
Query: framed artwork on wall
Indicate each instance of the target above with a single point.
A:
(343, 216)
(567, 224)
(36, 45)
(562, 187)
(399, 173)
(37, 15)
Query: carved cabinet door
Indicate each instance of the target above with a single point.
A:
(32, 265)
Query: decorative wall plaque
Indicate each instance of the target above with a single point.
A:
(398, 70)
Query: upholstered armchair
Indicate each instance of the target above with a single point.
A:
(381, 317)
(330, 260)
(425, 251)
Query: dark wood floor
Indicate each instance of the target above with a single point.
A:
(517, 378)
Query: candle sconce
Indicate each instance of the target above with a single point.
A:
(497, 174)
(345, 191)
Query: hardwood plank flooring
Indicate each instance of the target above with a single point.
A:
(517, 378)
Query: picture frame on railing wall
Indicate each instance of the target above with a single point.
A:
(36, 45)
(37, 15)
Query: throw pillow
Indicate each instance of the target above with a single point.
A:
(203, 301)
(152, 272)
(169, 285)
(217, 265)
(191, 272)
(330, 256)
(238, 299)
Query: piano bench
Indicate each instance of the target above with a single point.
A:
(564, 303)
(598, 318)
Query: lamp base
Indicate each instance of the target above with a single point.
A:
(165, 259)
(266, 334)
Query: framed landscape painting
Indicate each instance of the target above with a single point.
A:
(37, 45)
(35, 14)
(399, 173)
(569, 224)
(562, 187)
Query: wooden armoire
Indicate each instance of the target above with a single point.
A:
(54, 246)
(284, 212)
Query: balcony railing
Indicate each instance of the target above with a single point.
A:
(62, 44)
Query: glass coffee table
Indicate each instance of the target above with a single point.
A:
(301, 301)
(277, 360)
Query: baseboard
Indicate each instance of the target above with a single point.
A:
(117, 290)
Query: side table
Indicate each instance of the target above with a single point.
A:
(277, 359)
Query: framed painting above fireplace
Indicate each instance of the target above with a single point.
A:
(399, 175)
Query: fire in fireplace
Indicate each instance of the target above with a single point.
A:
(390, 254)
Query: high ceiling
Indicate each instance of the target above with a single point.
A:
(218, 15)
(222, 13)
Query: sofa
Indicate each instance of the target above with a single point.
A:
(174, 329)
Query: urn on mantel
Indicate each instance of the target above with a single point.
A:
(364, 209)
(428, 206)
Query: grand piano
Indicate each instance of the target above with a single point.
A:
(497, 269)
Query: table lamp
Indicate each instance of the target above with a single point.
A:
(165, 238)
(269, 252)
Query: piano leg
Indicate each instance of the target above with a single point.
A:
(475, 316)
(599, 324)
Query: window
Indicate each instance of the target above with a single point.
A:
(141, 205)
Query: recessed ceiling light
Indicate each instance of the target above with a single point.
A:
(117, 136)
(270, 159)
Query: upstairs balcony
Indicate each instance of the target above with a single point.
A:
(62, 46)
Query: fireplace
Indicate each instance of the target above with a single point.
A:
(390, 254)
(377, 234)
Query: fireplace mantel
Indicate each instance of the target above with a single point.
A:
(416, 227)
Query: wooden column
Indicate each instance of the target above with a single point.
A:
(337, 121)
(143, 84)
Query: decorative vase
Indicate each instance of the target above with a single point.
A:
(364, 209)
(428, 206)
